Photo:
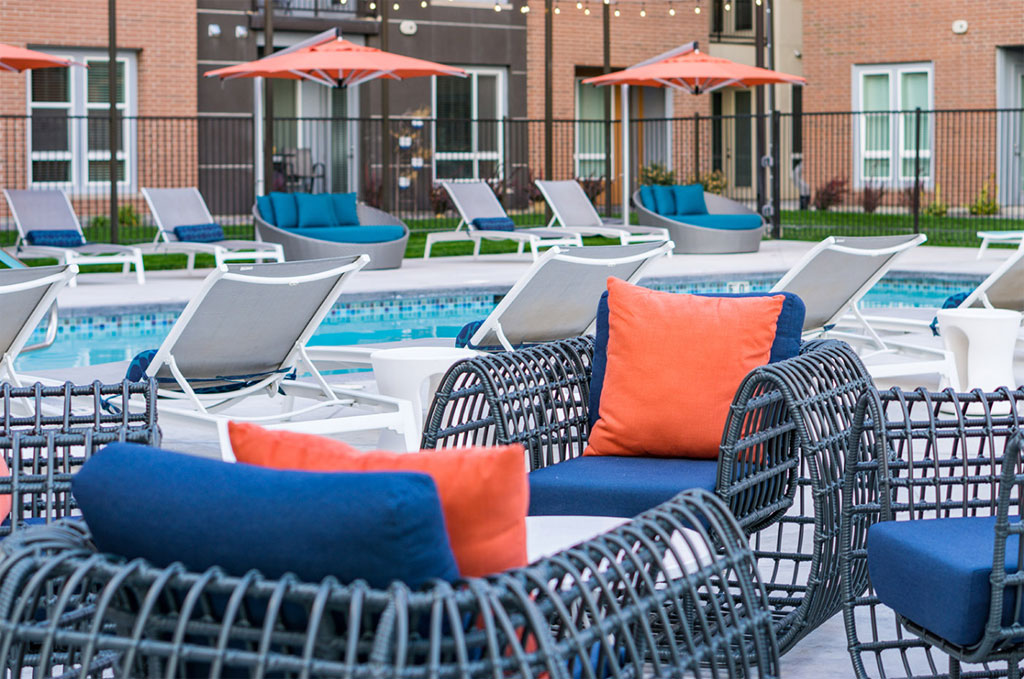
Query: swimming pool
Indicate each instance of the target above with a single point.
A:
(85, 338)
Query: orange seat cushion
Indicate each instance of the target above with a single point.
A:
(484, 492)
(5, 500)
(675, 362)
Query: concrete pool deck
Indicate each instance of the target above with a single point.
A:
(175, 287)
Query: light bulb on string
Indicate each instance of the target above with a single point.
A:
(373, 5)
(696, 10)
(586, 8)
(579, 5)
(618, 13)
(728, 6)
(558, 10)
(671, 10)
(643, 11)
(395, 6)
(525, 9)
(497, 7)
(423, 4)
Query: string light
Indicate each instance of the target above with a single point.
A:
(671, 10)
(643, 11)
(696, 10)
(618, 13)
(395, 6)
(586, 9)
(525, 9)
(728, 6)
(558, 10)
(579, 5)
(497, 7)
(373, 5)
(423, 4)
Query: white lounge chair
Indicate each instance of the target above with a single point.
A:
(475, 200)
(177, 207)
(573, 211)
(38, 211)
(555, 299)
(26, 296)
(244, 336)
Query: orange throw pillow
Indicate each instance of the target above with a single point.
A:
(484, 492)
(675, 362)
(5, 500)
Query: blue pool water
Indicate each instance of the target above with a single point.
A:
(88, 340)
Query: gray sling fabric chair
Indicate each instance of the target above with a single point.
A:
(573, 211)
(185, 207)
(49, 210)
(26, 296)
(475, 200)
(555, 299)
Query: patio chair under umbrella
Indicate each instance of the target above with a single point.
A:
(689, 70)
(18, 59)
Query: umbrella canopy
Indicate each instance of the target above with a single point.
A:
(336, 63)
(696, 73)
(18, 59)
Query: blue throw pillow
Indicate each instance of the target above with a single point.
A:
(142, 502)
(494, 224)
(788, 331)
(286, 211)
(57, 238)
(266, 209)
(345, 211)
(315, 209)
(199, 233)
(664, 199)
(689, 200)
(647, 198)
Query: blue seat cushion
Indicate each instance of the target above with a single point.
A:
(689, 200)
(725, 222)
(935, 572)
(615, 486)
(199, 233)
(353, 234)
(315, 210)
(58, 238)
(664, 199)
(494, 224)
(345, 212)
(647, 198)
(142, 502)
(266, 209)
(286, 210)
(788, 332)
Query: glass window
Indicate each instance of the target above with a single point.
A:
(469, 131)
(743, 19)
(590, 131)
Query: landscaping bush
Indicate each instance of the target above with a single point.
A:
(656, 173)
(871, 197)
(830, 195)
(713, 182)
(937, 207)
(591, 187)
(985, 203)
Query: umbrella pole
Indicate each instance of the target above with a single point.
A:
(260, 185)
(625, 154)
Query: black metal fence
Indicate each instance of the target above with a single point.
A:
(946, 173)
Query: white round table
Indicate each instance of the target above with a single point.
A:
(402, 372)
(982, 342)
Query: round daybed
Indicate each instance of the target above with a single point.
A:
(299, 243)
(726, 227)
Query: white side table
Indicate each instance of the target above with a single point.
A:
(401, 373)
(982, 343)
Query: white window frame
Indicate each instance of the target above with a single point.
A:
(78, 109)
(578, 156)
(475, 155)
(896, 152)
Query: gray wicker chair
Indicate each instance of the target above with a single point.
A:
(693, 239)
(779, 469)
(387, 255)
(920, 456)
(47, 433)
(606, 608)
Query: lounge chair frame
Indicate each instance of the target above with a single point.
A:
(701, 240)
(593, 224)
(184, 403)
(54, 279)
(536, 238)
(599, 609)
(779, 469)
(920, 455)
(223, 251)
(90, 253)
(386, 255)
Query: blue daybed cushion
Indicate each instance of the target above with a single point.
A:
(494, 224)
(647, 198)
(58, 238)
(726, 222)
(142, 502)
(664, 199)
(345, 212)
(689, 200)
(936, 573)
(353, 234)
(788, 331)
(266, 209)
(199, 233)
(286, 211)
(615, 486)
(315, 210)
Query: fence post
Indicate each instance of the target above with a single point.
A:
(696, 147)
(112, 120)
(917, 170)
(776, 174)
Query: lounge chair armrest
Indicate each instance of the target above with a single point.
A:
(537, 396)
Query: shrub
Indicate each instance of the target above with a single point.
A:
(126, 217)
(656, 173)
(936, 208)
(985, 203)
(591, 187)
(713, 182)
(830, 195)
(871, 197)
(440, 203)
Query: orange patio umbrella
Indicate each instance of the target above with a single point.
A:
(337, 63)
(18, 59)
